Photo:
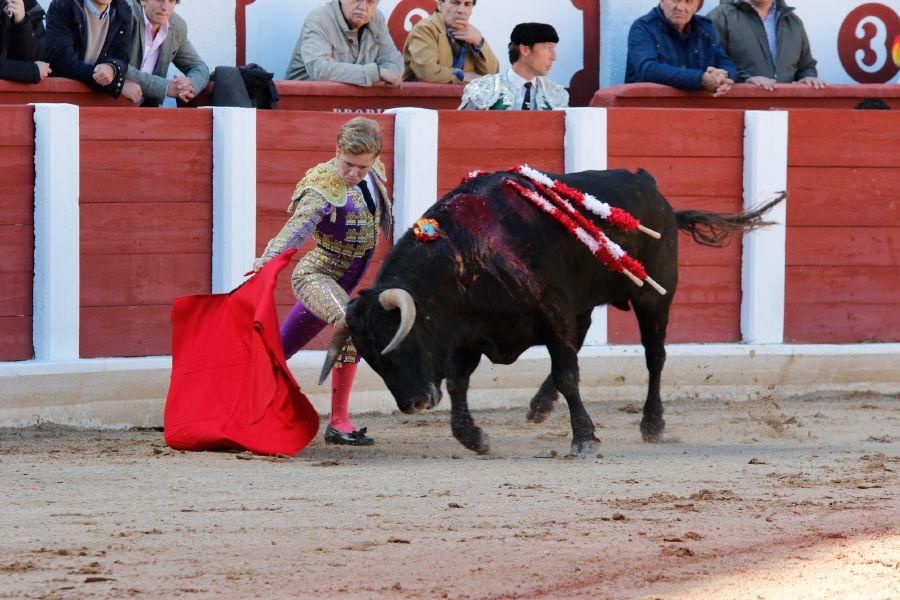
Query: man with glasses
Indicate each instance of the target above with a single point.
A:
(346, 41)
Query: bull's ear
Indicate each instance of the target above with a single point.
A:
(340, 337)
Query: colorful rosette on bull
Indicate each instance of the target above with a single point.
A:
(896, 51)
(427, 230)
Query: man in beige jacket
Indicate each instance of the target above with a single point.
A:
(447, 48)
(346, 41)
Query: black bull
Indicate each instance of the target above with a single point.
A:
(505, 276)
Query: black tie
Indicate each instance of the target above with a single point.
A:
(526, 104)
(367, 196)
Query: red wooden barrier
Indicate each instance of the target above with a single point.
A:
(16, 232)
(288, 143)
(295, 95)
(697, 158)
(146, 224)
(843, 240)
(58, 90)
(342, 97)
(745, 96)
(491, 141)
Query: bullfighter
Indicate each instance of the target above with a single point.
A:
(341, 203)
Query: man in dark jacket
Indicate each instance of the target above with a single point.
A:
(89, 40)
(674, 46)
(21, 24)
(767, 42)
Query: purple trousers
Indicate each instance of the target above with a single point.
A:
(301, 325)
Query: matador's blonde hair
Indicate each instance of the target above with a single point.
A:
(360, 136)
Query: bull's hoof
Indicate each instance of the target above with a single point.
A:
(476, 440)
(651, 431)
(538, 416)
(541, 406)
(588, 447)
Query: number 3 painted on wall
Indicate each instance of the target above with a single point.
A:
(865, 43)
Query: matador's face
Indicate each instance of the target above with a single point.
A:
(354, 167)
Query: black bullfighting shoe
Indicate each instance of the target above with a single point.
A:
(357, 438)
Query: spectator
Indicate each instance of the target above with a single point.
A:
(447, 48)
(158, 39)
(525, 86)
(675, 46)
(766, 41)
(21, 24)
(87, 40)
(346, 41)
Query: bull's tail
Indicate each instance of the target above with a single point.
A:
(713, 229)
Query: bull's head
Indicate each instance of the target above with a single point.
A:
(382, 330)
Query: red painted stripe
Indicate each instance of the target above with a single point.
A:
(670, 133)
(843, 138)
(146, 125)
(841, 323)
(15, 338)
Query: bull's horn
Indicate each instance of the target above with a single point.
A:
(397, 298)
(341, 334)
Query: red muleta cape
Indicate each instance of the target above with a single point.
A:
(231, 388)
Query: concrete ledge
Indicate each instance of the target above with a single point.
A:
(131, 392)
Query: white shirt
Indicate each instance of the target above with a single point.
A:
(517, 85)
(373, 189)
(152, 45)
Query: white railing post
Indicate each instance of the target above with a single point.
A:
(586, 149)
(57, 298)
(234, 196)
(763, 266)
(415, 165)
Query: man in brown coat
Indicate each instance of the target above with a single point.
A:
(447, 48)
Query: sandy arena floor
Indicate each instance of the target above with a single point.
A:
(761, 499)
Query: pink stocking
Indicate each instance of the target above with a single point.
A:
(341, 384)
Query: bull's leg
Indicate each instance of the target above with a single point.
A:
(542, 403)
(652, 320)
(564, 365)
(462, 424)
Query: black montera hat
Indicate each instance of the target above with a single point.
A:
(533, 33)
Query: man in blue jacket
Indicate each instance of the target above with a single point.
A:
(674, 46)
(89, 40)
